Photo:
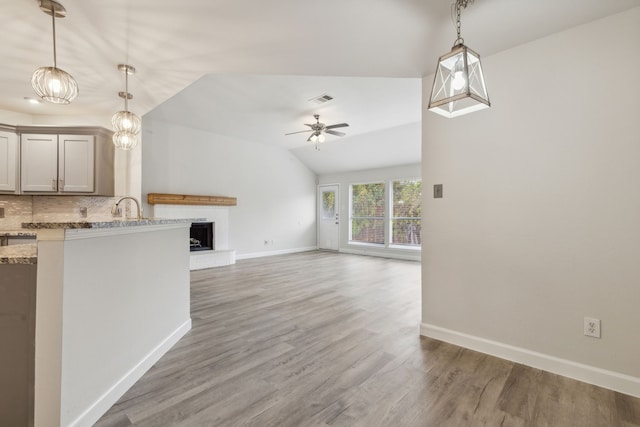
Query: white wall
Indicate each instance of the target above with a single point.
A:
(100, 328)
(366, 176)
(540, 221)
(275, 191)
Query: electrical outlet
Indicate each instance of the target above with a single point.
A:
(592, 327)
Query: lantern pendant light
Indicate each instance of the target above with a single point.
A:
(126, 124)
(53, 84)
(458, 86)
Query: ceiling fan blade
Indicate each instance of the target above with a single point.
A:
(307, 124)
(335, 132)
(309, 139)
(339, 125)
(310, 130)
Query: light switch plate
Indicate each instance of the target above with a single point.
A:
(437, 191)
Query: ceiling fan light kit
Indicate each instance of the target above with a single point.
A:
(458, 86)
(53, 84)
(126, 124)
(319, 130)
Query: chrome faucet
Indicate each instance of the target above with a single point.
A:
(115, 210)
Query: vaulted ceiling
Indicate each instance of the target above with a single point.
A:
(213, 48)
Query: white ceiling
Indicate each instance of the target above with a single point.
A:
(237, 53)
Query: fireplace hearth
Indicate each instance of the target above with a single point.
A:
(201, 236)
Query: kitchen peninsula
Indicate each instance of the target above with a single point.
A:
(112, 298)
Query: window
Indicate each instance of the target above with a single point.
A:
(406, 223)
(367, 213)
(388, 214)
(328, 204)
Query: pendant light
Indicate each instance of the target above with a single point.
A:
(126, 124)
(125, 140)
(52, 83)
(458, 86)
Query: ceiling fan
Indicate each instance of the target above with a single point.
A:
(318, 130)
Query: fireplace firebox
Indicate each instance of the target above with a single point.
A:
(201, 236)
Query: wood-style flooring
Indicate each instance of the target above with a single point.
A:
(327, 339)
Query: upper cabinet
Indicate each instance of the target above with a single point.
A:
(57, 163)
(76, 160)
(8, 161)
(39, 165)
(61, 160)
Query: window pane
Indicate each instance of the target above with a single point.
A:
(367, 230)
(328, 204)
(367, 213)
(367, 200)
(406, 225)
(407, 232)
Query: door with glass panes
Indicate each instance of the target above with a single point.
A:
(328, 217)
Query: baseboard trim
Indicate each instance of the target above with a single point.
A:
(589, 374)
(111, 396)
(381, 254)
(278, 252)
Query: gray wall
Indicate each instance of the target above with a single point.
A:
(540, 221)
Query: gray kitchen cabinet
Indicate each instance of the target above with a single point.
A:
(57, 163)
(8, 161)
(62, 161)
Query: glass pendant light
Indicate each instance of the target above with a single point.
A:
(458, 86)
(126, 124)
(125, 140)
(52, 83)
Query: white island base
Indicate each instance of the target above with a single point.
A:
(110, 302)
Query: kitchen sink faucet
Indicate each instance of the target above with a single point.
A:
(115, 210)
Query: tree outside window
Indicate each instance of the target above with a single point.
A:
(367, 213)
(406, 223)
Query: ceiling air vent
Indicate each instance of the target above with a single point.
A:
(321, 99)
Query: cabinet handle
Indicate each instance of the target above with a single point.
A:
(54, 184)
(61, 188)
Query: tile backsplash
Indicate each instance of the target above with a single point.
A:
(19, 209)
(68, 208)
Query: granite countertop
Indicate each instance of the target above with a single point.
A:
(19, 254)
(17, 233)
(105, 224)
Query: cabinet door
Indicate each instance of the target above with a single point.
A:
(8, 161)
(39, 163)
(76, 163)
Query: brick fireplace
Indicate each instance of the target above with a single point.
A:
(206, 209)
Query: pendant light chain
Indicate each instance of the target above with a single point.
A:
(126, 89)
(53, 18)
(459, 4)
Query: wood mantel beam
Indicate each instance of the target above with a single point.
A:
(185, 199)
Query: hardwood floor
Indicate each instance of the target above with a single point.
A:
(326, 339)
